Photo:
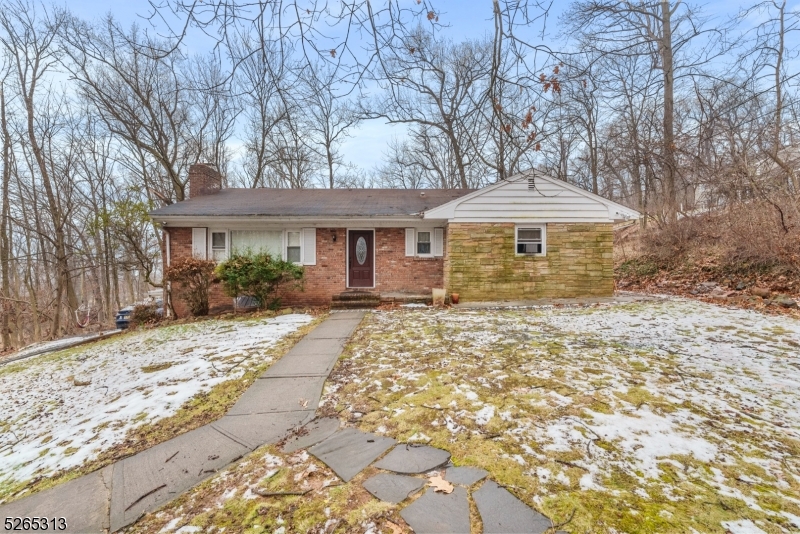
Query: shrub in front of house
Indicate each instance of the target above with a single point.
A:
(144, 314)
(193, 278)
(259, 275)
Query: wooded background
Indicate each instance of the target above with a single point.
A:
(654, 104)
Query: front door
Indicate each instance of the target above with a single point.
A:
(360, 258)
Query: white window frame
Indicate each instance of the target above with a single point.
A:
(416, 242)
(284, 243)
(542, 227)
(210, 250)
(285, 251)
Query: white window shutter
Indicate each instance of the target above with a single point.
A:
(309, 246)
(411, 244)
(199, 243)
(438, 241)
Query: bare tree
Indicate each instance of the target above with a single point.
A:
(141, 99)
(214, 110)
(661, 30)
(31, 44)
(766, 58)
(262, 80)
(329, 116)
(436, 86)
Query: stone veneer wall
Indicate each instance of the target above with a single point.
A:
(481, 264)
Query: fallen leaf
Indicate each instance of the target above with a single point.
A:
(304, 403)
(440, 485)
(396, 529)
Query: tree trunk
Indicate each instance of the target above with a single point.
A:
(329, 155)
(63, 283)
(668, 69)
(5, 221)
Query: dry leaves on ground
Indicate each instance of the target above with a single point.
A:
(440, 485)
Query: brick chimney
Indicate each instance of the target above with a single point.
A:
(204, 179)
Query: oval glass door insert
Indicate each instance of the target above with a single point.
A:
(361, 250)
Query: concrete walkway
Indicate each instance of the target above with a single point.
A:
(284, 397)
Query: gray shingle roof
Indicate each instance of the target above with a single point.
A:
(312, 202)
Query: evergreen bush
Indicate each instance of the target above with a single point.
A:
(259, 275)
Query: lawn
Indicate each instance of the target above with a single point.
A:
(81, 408)
(665, 416)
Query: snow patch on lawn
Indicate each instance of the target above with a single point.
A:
(61, 410)
(745, 526)
(648, 437)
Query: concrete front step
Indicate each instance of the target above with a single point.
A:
(349, 296)
(355, 304)
(355, 300)
(366, 299)
(400, 298)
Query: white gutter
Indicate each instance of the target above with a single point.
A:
(263, 220)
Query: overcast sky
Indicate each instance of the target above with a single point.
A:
(465, 18)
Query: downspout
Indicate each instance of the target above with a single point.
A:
(168, 251)
(167, 284)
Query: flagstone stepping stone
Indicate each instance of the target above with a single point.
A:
(349, 451)
(413, 459)
(464, 476)
(392, 488)
(438, 512)
(502, 513)
(311, 434)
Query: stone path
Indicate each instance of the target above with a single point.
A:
(284, 398)
(349, 451)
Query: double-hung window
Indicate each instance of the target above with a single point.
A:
(293, 246)
(219, 246)
(530, 240)
(423, 243)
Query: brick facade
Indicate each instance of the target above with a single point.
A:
(481, 264)
(394, 271)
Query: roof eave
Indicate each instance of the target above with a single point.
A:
(196, 219)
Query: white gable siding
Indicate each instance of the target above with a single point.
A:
(550, 201)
